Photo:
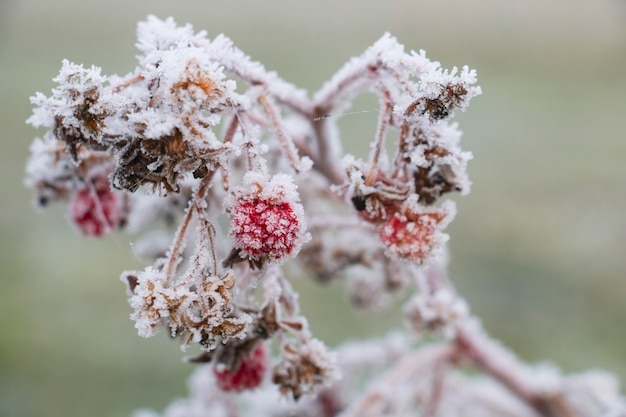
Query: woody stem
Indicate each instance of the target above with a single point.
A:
(179, 241)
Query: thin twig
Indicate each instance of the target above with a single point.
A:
(439, 374)
(497, 362)
(381, 132)
(326, 161)
(408, 367)
(289, 148)
(128, 82)
(400, 149)
(232, 129)
(212, 246)
(326, 98)
(178, 244)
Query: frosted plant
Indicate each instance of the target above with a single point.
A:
(230, 173)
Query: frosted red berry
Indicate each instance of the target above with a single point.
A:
(413, 233)
(266, 218)
(263, 229)
(248, 375)
(95, 209)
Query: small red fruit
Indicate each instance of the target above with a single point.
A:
(414, 232)
(96, 210)
(249, 375)
(263, 229)
(266, 218)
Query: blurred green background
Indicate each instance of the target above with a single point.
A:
(537, 247)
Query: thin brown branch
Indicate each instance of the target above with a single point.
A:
(289, 148)
(178, 244)
(400, 149)
(381, 132)
(436, 394)
(179, 240)
(212, 246)
(325, 161)
(326, 99)
(232, 129)
(499, 363)
(128, 82)
(408, 367)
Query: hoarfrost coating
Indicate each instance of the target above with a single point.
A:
(229, 176)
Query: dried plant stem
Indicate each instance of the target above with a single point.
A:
(381, 132)
(400, 149)
(208, 230)
(496, 361)
(232, 129)
(408, 367)
(233, 125)
(130, 81)
(328, 98)
(211, 232)
(284, 93)
(439, 374)
(487, 355)
(325, 161)
(178, 244)
(289, 148)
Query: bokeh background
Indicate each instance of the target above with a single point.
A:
(538, 247)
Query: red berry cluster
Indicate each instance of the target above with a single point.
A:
(413, 233)
(266, 218)
(248, 375)
(96, 209)
(263, 229)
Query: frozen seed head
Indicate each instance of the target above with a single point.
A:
(248, 375)
(266, 218)
(414, 232)
(96, 209)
